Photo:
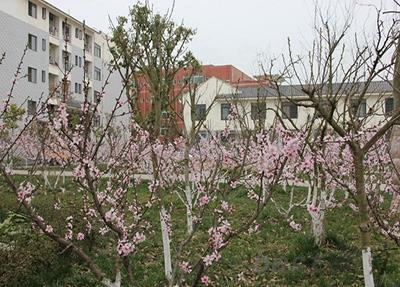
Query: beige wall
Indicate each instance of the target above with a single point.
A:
(211, 93)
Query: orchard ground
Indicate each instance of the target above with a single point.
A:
(275, 255)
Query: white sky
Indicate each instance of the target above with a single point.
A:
(237, 32)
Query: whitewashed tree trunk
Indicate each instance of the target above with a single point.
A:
(188, 193)
(318, 228)
(309, 193)
(189, 208)
(166, 245)
(317, 217)
(367, 267)
(117, 283)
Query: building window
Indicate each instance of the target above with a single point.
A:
(32, 9)
(44, 13)
(66, 31)
(389, 106)
(164, 131)
(165, 114)
(97, 74)
(80, 88)
(32, 42)
(290, 110)
(359, 108)
(80, 62)
(44, 45)
(43, 76)
(97, 97)
(97, 50)
(32, 75)
(80, 34)
(76, 88)
(258, 111)
(76, 33)
(225, 111)
(31, 108)
(76, 60)
(200, 112)
(197, 79)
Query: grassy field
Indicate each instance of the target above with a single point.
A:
(274, 256)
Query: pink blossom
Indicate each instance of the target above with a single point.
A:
(80, 236)
(139, 238)
(205, 280)
(204, 200)
(25, 192)
(125, 247)
(185, 267)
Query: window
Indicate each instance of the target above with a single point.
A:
(258, 111)
(80, 88)
(76, 60)
(97, 74)
(97, 97)
(290, 110)
(32, 75)
(76, 33)
(44, 13)
(164, 131)
(31, 108)
(76, 88)
(389, 106)
(32, 9)
(97, 50)
(66, 31)
(197, 79)
(225, 111)
(32, 42)
(203, 135)
(80, 34)
(358, 108)
(80, 62)
(43, 76)
(200, 112)
(43, 44)
(165, 114)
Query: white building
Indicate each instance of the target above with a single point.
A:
(57, 43)
(215, 99)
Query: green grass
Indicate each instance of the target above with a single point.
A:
(274, 256)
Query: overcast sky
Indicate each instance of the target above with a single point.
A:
(232, 31)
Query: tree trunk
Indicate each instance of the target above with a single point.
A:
(358, 160)
(317, 224)
(188, 193)
(166, 245)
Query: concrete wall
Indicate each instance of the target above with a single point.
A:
(13, 39)
(16, 24)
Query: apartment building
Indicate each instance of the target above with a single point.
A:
(257, 104)
(57, 43)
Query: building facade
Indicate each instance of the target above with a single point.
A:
(215, 75)
(262, 104)
(58, 44)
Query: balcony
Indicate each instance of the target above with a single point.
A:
(52, 60)
(53, 31)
